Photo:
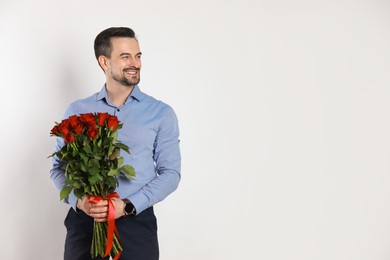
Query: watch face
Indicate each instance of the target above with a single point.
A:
(129, 208)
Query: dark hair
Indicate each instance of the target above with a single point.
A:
(102, 43)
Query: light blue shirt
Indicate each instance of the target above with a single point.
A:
(150, 129)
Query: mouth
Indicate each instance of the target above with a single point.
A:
(131, 71)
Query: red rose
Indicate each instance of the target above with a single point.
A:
(69, 138)
(102, 117)
(55, 130)
(112, 122)
(74, 121)
(88, 119)
(78, 129)
(92, 132)
(75, 124)
(64, 127)
(65, 123)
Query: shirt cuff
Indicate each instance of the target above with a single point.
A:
(72, 201)
(140, 202)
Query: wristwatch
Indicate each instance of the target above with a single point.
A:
(128, 209)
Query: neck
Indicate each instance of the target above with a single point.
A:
(118, 93)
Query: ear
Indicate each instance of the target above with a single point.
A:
(103, 62)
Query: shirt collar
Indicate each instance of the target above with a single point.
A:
(136, 94)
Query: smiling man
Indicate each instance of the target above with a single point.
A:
(150, 129)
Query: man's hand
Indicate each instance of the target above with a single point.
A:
(99, 211)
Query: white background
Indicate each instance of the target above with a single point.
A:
(284, 117)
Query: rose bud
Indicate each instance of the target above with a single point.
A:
(114, 154)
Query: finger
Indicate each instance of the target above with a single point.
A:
(99, 215)
(89, 207)
(100, 219)
(99, 209)
(101, 203)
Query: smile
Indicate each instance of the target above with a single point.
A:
(131, 72)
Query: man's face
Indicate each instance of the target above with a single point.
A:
(124, 65)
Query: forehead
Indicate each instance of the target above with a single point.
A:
(124, 45)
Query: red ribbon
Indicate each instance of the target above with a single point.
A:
(111, 220)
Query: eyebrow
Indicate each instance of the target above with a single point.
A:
(126, 53)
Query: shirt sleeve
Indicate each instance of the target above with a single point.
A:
(168, 165)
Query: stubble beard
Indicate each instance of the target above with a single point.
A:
(125, 81)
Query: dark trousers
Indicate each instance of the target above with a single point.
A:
(137, 234)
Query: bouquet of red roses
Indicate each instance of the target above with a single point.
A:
(91, 157)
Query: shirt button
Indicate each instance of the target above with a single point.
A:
(118, 110)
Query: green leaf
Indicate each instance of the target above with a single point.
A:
(129, 171)
(93, 163)
(76, 185)
(52, 155)
(79, 193)
(110, 149)
(93, 179)
(113, 172)
(120, 160)
(83, 167)
(123, 147)
(74, 165)
(69, 181)
(84, 158)
(64, 156)
(103, 173)
(112, 182)
(93, 171)
(87, 149)
(95, 149)
(65, 191)
(114, 136)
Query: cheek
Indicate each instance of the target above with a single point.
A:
(116, 68)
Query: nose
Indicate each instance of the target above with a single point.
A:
(135, 62)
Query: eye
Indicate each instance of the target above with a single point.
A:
(125, 56)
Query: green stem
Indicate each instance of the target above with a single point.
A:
(74, 146)
(98, 238)
(104, 234)
(94, 246)
(100, 241)
(97, 233)
(118, 244)
(103, 238)
(93, 243)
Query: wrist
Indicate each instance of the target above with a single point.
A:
(78, 205)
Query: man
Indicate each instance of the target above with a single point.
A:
(150, 129)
